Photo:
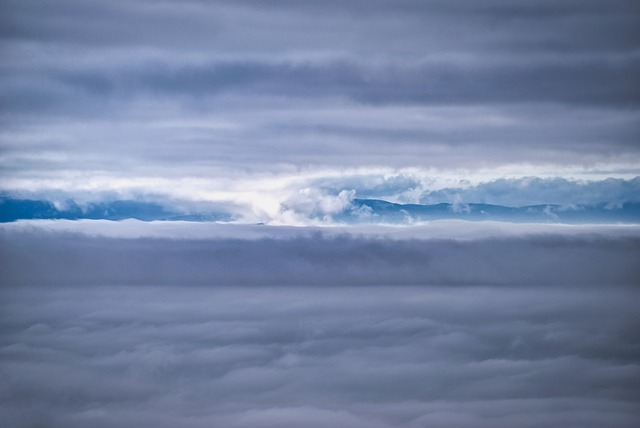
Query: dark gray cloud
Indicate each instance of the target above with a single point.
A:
(411, 84)
(540, 26)
(215, 331)
(588, 81)
(319, 260)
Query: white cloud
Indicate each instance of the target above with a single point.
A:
(317, 195)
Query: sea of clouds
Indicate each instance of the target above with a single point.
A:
(450, 324)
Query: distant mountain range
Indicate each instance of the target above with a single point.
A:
(360, 211)
(373, 210)
(22, 209)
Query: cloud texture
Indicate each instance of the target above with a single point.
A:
(285, 112)
(323, 197)
(288, 327)
(142, 91)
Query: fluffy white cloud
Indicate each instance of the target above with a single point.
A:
(319, 196)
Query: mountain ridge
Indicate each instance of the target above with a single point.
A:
(359, 211)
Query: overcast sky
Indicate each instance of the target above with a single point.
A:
(284, 112)
(249, 102)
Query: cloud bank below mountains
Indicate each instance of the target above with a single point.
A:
(32, 257)
(197, 325)
(36, 256)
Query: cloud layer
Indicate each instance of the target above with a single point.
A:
(328, 197)
(321, 259)
(288, 327)
(285, 112)
(140, 91)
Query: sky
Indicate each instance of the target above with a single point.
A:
(260, 106)
(300, 126)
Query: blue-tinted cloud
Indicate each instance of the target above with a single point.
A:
(288, 112)
(207, 89)
(535, 328)
(320, 259)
